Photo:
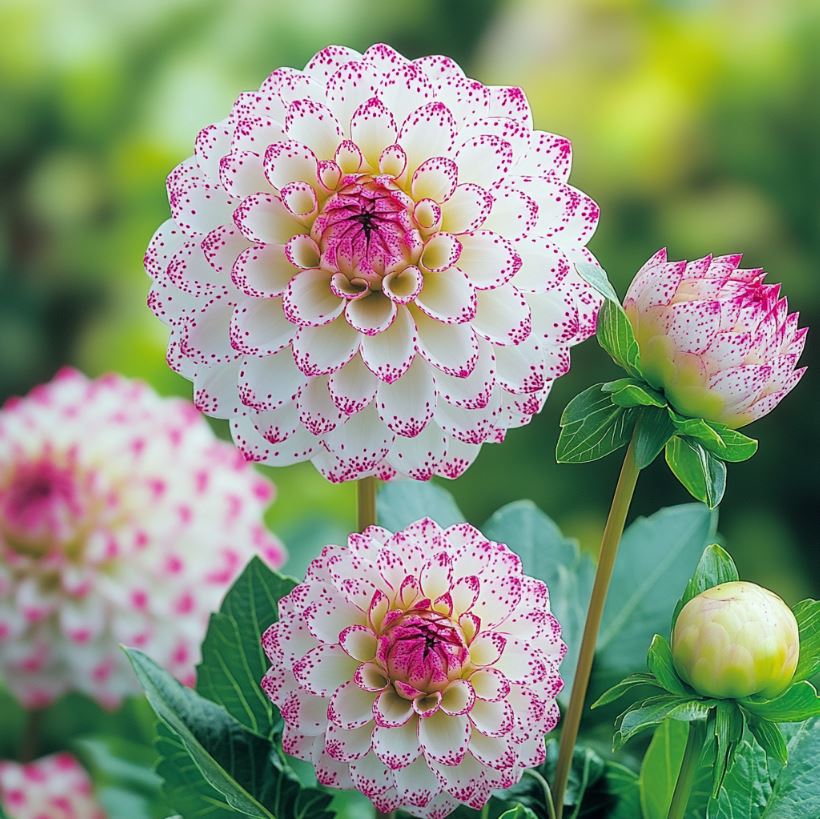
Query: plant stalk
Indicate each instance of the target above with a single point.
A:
(613, 531)
(546, 788)
(31, 735)
(366, 502)
(688, 769)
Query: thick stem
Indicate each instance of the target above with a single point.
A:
(31, 735)
(688, 769)
(366, 507)
(603, 574)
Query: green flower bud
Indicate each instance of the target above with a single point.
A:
(735, 640)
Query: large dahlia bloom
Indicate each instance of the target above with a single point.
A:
(719, 342)
(122, 520)
(54, 787)
(370, 265)
(420, 667)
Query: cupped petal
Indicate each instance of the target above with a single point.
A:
(448, 296)
(428, 131)
(314, 125)
(444, 739)
(467, 209)
(263, 271)
(492, 718)
(372, 129)
(488, 259)
(259, 327)
(350, 706)
(323, 669)
(451, 348)
(484, 160)
(503, 316)
(290, 161)
(407, 404)
(267, 383)
(436, 178)
(398, 747)
(371, 314)
(263, 218)
(325, 349)
(309, 299)
(389, 354)
(391, 710)
(241, 173)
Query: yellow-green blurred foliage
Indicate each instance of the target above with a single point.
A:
(695, 125)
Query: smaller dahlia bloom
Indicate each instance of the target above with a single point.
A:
(54, 787)
(735, 640)
(122, 520)
(719, 342)
(419, 667)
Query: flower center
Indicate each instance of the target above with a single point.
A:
(426, 650)
(365, 230)
(40, 506)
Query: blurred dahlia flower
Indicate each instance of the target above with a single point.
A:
(370, 265)
(54, 787)
(122, 520)
(420, 667)
(719, 342)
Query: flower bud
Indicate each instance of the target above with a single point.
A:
(735, 640)
(717, 340)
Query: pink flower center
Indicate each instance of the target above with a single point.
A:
(365, 231)
(41, 504)
(426, 650)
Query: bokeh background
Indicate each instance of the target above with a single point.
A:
(695, 126)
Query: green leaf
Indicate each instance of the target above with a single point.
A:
(659, 660)
(656, 557)
(616, 336)
(123, 773)
(734, 446)
(769, 737)
(700, 472)
(595, 276)
(697, 428)
(233, 661)
(403, 502)
(798, 702)
(546, 554)
(747, 787)
(638, 680)
(651, 712)
(652, 431)
(728, 726)
(796, 792)
(592, 427)
(232, 760)
(714, 567)
(630, 392)
(660, 768)
(518, 812)
(807, 614)
(622, 791)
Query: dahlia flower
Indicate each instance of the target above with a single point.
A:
(735, 640)
(54, 787)
(420, 667)
(370, 264)
(719, 342)
(122, 520)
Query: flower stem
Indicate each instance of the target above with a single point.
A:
(366, 506)
(603, 574)
(688, 768)
(547, 792)
(31, 735)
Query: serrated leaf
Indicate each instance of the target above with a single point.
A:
(797, 703)
(659, 660)
(715, 567)
(403, 502)
(593, 427)
(807, 614)
(233, 661)
(769, 737)
(638, 680)
(700, 472)
(651, 712)
(652, 430)
(546, 554)
(231, 759)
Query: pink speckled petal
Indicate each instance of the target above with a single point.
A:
(397, 747)
(255, 132)
(324, 349)
(467, 99)
(372, 129)
(290, 161)
(490, 684)
(263, 218)
(212, 143)
(472, 391)
(267, 383)
(493, 718)
(549, 155)
(241, 174)
(353, 386)
(741, 385)
(514, 213)
(255, 448)
(391, 710)
(259, 327)
(263, 271)
(206, 333)
(466, 209)
(358, 446)
(419, 457)
(519, 662)
(389, 354)
(436, 178)
(543, 265)
(404, 88)
(351, 85)
(347, 744)
(350, 706)
(323, 669)
(326, 62)
(488, 259)
(484, 160)
(317, 411)
(503, 316)
(692, 325)
(371, 314)
(448, 296)
(371, 776)
(276, 425)
(416, 783)
(451, 348)
(428, 131)
(443, 738)
(310, 301)
(314, 125)
(509, 101)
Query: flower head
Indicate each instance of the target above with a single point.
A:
(122, 520)
(420, 667)
(56, 787)
(720, 343)
(735, 640)
(370, 266)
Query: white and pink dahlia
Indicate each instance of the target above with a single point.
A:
(370, 265)
(54, 787)
(122, 520)
(419, 667)
(715, 338)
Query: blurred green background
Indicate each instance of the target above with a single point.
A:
(695, 125)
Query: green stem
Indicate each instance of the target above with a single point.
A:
(366, 502)
(547, 792)
(688, 769)
(603, 574)
(31, 735)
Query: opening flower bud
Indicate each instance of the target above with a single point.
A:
(736, 640)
